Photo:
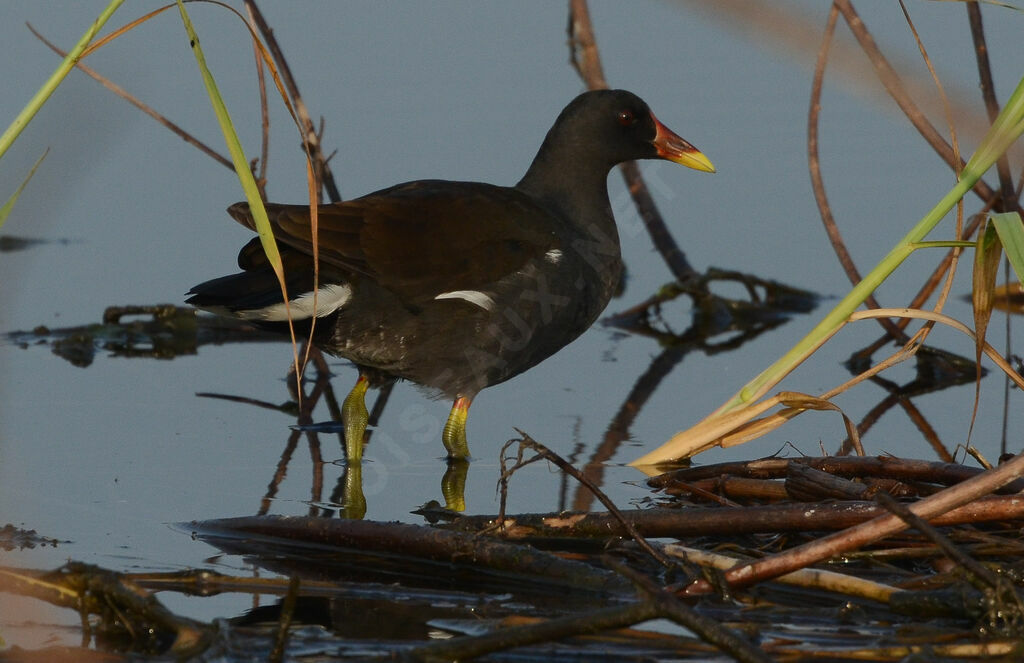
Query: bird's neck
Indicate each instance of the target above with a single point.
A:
(575, 188)
(567, 179)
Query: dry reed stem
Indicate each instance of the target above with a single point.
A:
(873, 530)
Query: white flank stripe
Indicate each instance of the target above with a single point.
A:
(329, 299)
(481, 299)
(553, 256)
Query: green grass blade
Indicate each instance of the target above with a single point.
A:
(988, 254)
(9, 205)
(1011, 234)
(1007, 127)
(245, 176)
(66, 65)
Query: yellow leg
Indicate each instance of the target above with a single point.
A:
(355, 416)
(453, 484)
(354, 505)
(454, 434)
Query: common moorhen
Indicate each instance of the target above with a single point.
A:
(457, 286)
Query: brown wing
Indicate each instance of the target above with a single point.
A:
(422, 238)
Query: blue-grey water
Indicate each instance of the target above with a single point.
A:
(106, 457)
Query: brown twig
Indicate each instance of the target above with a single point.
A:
(818, 184)
(929, 366)
(928, 287)
(1006, 188)
(584, 57)
(928, 431)
(891, 81)
(892, 84)
(1008, 199)
(121, 604)
(307, 403)
(988, 93)
(821, 516)
(465, 648)
(657, 603)
(958, 227)
(322, 171)
(856, 537)
(710, 631)
(886, 467)
(583, 54)
(303, 414)
(982, 576)
(261, 174)
(551, 456)
(640, 312)
(618, 429)
(279, 473)
(127, 96)
(284, 622)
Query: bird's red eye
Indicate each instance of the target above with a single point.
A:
(626, 118)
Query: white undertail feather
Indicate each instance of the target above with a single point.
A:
(329, 299)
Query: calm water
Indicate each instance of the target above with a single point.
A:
(106, 457)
